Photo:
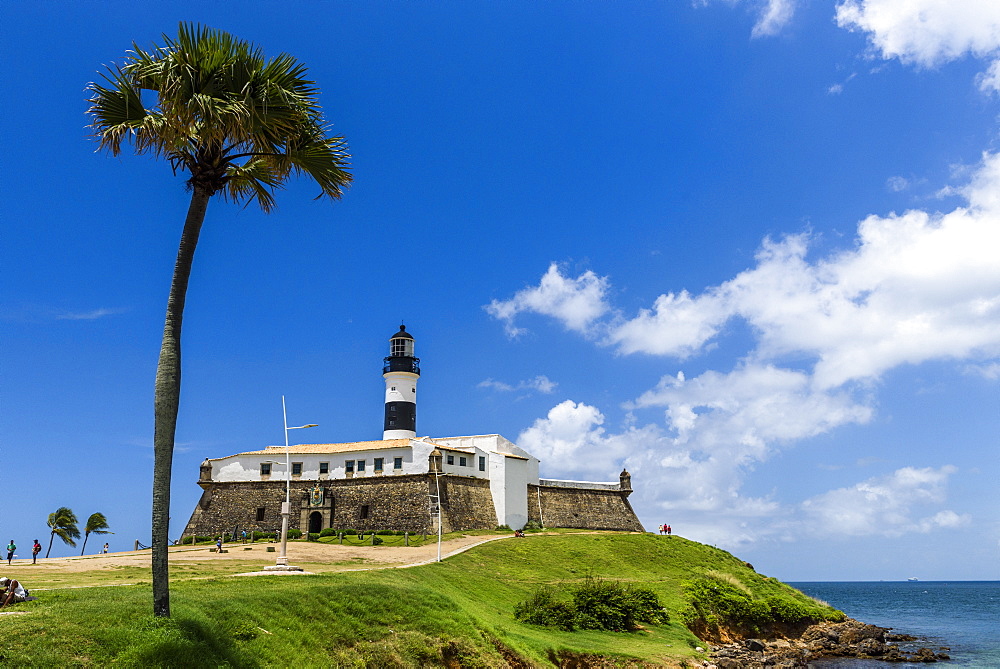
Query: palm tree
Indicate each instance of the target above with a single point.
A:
(96, 524)
(63, 524)
(238, 124)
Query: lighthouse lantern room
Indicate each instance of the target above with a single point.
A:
(401, 370)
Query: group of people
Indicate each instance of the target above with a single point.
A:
(36, 548)
(665, 529)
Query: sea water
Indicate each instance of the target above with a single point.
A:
(963, 616)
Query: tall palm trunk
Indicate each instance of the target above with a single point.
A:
(52, 536)
(85, 537)
(167, 398)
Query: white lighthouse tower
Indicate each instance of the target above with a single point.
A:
(401, 370)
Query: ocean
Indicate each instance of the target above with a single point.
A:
(962, 615)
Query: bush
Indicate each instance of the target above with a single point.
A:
(544, 609)
(328, 532)
(715, 603)
(502, 528)
(596, 604)
(532, 526)
(312, 536)
(385, 533)
(294, 534)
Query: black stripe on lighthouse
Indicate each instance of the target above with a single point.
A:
(400, 416)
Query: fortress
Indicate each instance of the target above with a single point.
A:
(401, 482)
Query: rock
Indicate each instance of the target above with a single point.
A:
(754, 644)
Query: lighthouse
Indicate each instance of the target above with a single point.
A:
(401, 370)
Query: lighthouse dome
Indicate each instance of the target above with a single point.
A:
(402, 334)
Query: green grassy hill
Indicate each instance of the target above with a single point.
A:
(458, 613)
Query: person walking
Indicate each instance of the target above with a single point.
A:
(11, 547)
(106, 548)
(35, 550)
(668, 530)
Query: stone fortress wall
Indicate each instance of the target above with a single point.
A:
(400, 503)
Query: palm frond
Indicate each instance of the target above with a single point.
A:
(218, 101)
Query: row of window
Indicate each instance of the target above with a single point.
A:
(378, 464)
(464, 461)
(350, 466)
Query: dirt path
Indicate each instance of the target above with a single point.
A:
(312, 557)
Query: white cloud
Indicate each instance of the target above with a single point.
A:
(989, 81)
(743, 413)
(929, 32)
(541, 383)
(914, 287)
(774, 17)
(87, 315)
(885, 505)
(897, 184)
(574, 302)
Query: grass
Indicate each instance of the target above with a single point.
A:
(455, 613)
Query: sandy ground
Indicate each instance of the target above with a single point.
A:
(313, 557)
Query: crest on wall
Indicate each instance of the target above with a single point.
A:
(316, 496)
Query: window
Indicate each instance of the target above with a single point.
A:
(392, 408)
(462, 462)
(260, 514)
(392, 421)
(393, 388)
(296, 469)
(451, 459)
(397, 463)
(349, 466)
(378, 464)
(265, 469)
(361, 465)
(482, 463)
(324, 468)
(364, 512)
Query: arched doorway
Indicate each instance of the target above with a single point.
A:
(315, 522)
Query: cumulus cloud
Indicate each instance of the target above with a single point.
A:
(911, 288)
(928, 33)
(743, 413)
(575, 302)
(541, 383)
(887, 505)
(916, 286)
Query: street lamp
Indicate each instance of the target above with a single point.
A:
(282, 562)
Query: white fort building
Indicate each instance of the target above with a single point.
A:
(484, 480)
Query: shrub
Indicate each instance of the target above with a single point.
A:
(502, 528)
(544, 609)
(596, 604)
(312, 536)
(385, 533)
(294, 534)
(328, 532)
(532, 526)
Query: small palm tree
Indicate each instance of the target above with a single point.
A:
(239, 124)
(63, 524)
(96, 524)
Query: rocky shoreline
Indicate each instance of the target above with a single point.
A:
(849, 639)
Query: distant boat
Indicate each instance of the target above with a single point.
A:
(913, 578)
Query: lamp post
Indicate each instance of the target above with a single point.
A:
(282, 562)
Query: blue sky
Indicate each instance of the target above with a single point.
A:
(748, 250)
